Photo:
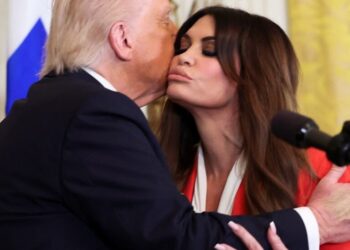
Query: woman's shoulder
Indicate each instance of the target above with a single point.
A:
(321, 165)
(318, 161)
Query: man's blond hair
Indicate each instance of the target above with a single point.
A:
(79, 32)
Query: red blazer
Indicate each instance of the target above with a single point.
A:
(319, 163)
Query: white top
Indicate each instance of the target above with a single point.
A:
(233, 182)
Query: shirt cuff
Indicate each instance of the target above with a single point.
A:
(311, 225)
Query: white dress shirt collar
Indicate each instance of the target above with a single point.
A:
(104, 82)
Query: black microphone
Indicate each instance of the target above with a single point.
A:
(298, 130)
(302, 132)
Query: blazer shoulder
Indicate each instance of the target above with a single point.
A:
(109, 103)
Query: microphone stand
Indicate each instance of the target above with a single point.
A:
(338, 149)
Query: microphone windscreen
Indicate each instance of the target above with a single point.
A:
(291, 127)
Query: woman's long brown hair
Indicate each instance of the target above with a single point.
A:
(267, 83)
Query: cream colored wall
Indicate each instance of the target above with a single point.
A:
(3, 37)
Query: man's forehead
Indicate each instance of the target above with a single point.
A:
(155, 6)
(165, 5)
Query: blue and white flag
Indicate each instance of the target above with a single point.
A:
(29, 22)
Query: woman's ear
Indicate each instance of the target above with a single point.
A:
(119, 40)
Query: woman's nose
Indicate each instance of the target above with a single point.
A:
(186, 58)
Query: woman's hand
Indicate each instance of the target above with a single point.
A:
(250, 242)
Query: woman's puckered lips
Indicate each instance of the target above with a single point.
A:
(177, 74)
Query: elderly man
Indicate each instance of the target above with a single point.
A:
(80, 169)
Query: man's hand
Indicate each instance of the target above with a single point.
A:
(330, 203)
(250, 242)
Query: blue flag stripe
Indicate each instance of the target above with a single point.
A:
(24, 64)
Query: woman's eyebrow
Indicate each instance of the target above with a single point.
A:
(208, 38)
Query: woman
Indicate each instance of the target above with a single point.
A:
(231, 73)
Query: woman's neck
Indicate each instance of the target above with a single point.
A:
(221, 140)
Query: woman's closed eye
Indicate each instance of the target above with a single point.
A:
(182, 45)
(209, 47)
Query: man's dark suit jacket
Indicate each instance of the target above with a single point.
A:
(80, 169)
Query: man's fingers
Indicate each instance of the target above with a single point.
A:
(333, 175)
(245, 236)
(274, 240)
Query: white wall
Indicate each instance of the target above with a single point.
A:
(3, 49)
(275, 10)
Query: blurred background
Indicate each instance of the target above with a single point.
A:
(319, 30)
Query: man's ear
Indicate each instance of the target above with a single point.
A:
(119, 39)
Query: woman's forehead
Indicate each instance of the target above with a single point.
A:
(204, 26)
